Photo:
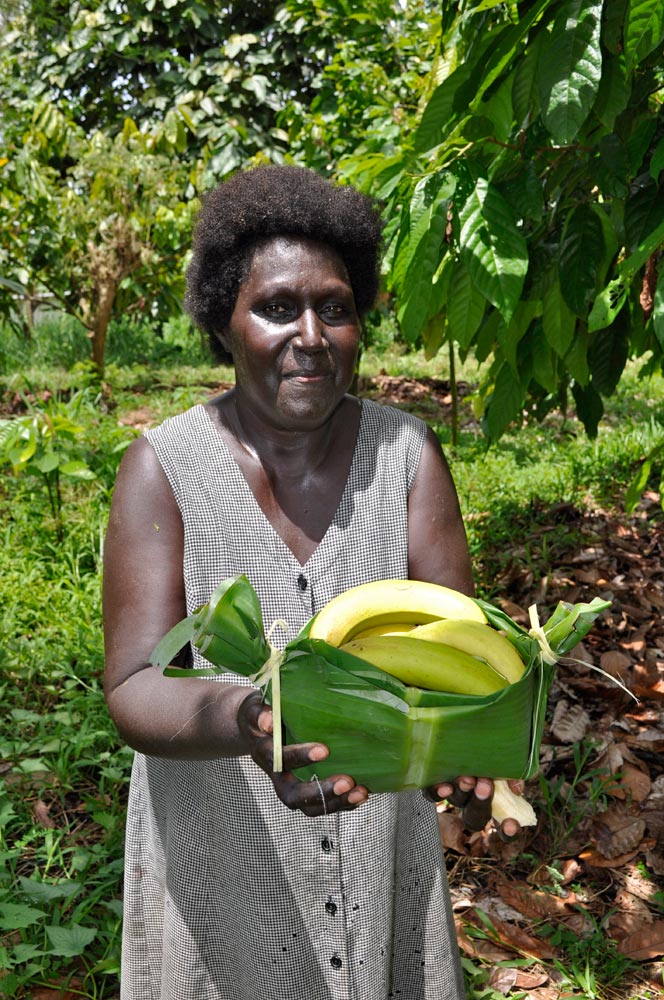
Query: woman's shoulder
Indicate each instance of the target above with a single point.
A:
(178, 425)
(390, 418)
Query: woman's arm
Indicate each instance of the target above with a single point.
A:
(143, 597)
(437, 545)
(188, 718)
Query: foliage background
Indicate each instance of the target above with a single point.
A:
(517, 149)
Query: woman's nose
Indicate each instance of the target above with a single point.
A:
(310, 334)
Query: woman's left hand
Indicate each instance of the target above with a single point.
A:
(473, 796)
(337, 793)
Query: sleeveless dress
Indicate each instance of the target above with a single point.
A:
(229, 895)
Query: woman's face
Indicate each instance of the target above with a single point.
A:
(294, 333)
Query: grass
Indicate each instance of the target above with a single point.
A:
(64, 772)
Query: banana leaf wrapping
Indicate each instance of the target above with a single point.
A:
(387, 735)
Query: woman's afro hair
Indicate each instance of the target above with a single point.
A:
(270, 201)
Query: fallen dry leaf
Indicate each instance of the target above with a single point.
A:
(644, 944)
(615, 833)
(570, 722)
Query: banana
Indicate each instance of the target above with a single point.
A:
(478, 640)
(506, 805)
(430, 665)
(388, 601)
(390, 628)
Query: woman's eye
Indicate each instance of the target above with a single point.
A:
(333, 311)
(276, 310)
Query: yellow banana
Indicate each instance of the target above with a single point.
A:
(478, 640)
(506, 805)
(430, 665)
(387, 601)
(389, 628)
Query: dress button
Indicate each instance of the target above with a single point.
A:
(302, 582)
(326, 844)
(331, 907)
(336, 962)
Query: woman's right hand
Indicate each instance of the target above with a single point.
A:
(313, 798)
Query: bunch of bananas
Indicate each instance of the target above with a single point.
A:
(424, 634)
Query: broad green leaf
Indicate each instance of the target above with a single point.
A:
(644, 29)
(415, 305)
(525, 93)
(77, 470)
(612, 166)
(608, 353)
(47, 891)
(576, 359)
(608, 304)
(504, 404)
(589, 407)
(69, 942)
(510, 336)
(492, 249)
(639, 140)
(644, 211)
(465, 307)
(582, 250)
(613, 24)
(558, 320)
(614, 91)
(440, 110)
(15, 916)
(570, 68)
(544, 368)
(432, 193)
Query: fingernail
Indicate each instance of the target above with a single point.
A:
(342, 786)
(444, 791)
(318, 753)
(356, 796)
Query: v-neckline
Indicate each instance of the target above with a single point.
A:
(218, 437)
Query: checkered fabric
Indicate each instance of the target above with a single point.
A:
(228, 894)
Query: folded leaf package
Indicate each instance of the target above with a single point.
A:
(401, 702)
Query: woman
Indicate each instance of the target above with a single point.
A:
(242, 884)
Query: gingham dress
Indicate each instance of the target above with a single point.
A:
(228, 894)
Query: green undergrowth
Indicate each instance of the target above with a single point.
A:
(64, 772)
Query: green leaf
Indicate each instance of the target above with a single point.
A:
(504, 404)
(582, 249)
(644, 29)
(558, 320)
(68, 942)
(614, 91)
(440, 110)
(493, 250)
(608, 304)
(47, 891)
(589, 407)
(644, 211)
(465, 307)
(544, 369)
(570, 68)
(576, 359)
(15, 916)
(77, 470)
(608, 353)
